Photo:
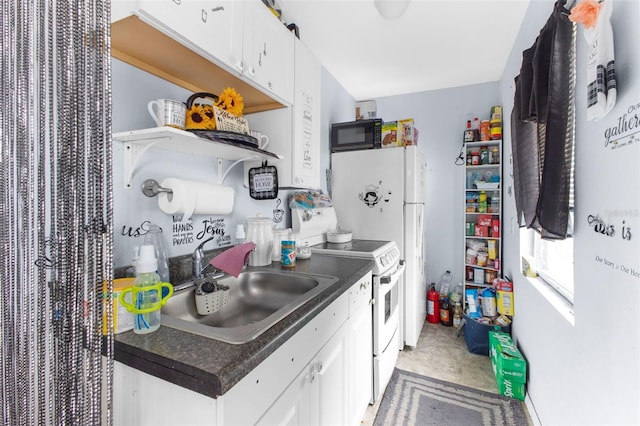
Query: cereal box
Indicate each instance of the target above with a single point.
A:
(390, 134)
(405, 132)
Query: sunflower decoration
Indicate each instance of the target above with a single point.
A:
(231, 101)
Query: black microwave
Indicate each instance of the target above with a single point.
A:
(354, 135)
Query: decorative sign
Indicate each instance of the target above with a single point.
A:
(620, 267)
(228, 122)
(626, 131)
(601, 227)
(214, 227)
(138, 231)
(182, 231)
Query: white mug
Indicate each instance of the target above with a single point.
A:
(263, 140)
(166, 112)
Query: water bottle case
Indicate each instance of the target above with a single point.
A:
(208, 303)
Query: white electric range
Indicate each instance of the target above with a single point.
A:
(311, 225)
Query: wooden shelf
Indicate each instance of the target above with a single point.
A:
(139, 44)
(137, 142)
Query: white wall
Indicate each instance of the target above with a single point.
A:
(587, 373)
(441, 116)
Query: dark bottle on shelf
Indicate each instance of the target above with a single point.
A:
(468, 132)
(445, 312)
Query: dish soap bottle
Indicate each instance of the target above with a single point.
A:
(146, 266)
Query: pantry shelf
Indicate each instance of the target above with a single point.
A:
(138, 142)
(483, 208)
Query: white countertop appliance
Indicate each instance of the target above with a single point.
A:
(383, 199)
(312, 225)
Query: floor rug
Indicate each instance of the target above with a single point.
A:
(412, 399)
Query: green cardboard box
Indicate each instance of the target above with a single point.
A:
(506, 357)
(509, 387)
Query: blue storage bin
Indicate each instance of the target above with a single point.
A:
(476, 335)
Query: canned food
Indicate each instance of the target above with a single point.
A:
(495, 131)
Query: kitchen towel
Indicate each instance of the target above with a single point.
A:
(233, 260)
(189, 197)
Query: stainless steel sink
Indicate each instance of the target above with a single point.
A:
(258, 299)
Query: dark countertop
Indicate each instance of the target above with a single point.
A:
(212, 367)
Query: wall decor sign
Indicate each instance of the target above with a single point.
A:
(182, 232)
(136, 231)
(626, 131)
(214, 227)
(620, 267)
(608, 229)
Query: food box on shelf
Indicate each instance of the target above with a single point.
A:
(390, 134)
(495, 228)
(366, 110)
(481, 231)
(406, 132)
(484, 219)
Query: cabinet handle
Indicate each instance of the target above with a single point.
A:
(372, 301)
(319, 366)
(240, 66)
(313, 375)
(203, 16)
(252, 71)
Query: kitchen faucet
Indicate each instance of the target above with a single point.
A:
(196, 260)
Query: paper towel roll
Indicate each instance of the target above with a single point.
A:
(191, 197)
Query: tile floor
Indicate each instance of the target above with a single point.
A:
(442, 355)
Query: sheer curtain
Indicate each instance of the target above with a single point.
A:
(55, 212)
(542, 123)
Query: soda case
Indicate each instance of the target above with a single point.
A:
(509, 366)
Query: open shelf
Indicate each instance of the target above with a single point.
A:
(137, 142)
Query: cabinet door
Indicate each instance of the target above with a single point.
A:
(293, 406)
(267, 51)
(214, 27)
(306, 118)
(329, 404)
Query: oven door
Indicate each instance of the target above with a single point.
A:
(386, 312)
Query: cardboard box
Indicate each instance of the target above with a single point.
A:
(484, 219)
(366, 110)
(506, 356)
(390, 134)
(482, 231)
(509, 366)
(122, 318)
(405, 132)
(495, 228)
(504, 297)
(510, 388)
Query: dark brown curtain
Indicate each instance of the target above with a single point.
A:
(542, 128)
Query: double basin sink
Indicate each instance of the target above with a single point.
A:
(257, 300)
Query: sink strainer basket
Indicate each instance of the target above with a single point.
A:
(209, 301)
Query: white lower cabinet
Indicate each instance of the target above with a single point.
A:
(317, 395)
(320, 376)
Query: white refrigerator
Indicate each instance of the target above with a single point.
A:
(379, 194)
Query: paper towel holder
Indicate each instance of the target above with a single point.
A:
(151, 188)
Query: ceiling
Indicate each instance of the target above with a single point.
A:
(435, 44)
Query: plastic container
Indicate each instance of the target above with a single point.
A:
(489, 303)
(154, 238)
(240, 234)
(147, 293)
(445, 284)
(446, 317)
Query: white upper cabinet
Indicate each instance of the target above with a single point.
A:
(208, 45)
(267, 51)
(294, 133)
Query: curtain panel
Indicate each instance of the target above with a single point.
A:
(542, 126)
